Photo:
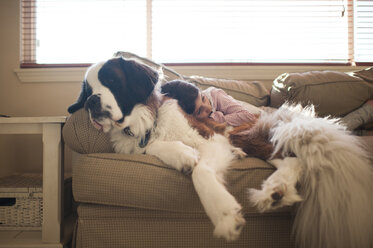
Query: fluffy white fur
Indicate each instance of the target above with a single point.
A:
(139, 121)
(335, 175)
(215, 155)
(180, 146)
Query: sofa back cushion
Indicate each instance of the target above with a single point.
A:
(333, 93)
(254, 93)
(144, 182)
(168, 73)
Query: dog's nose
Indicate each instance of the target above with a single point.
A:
(93, 102)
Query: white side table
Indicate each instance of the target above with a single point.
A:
(53, 174)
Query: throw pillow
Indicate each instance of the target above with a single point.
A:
(333, 93)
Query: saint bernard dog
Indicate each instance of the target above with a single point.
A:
(122, 98)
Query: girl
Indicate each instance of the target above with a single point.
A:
(211, 103)
(213, 106)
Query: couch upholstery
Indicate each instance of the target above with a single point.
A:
(137, 201)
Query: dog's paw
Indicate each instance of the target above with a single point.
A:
(230, 225)
(272, 198)
(188, 159)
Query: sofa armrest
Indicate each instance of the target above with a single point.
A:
(80, 135)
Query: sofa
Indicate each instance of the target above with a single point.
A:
(138, 201)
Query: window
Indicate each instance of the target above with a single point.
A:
(363, 31)
(198, 31)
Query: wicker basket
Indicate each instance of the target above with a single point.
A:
(21, 202)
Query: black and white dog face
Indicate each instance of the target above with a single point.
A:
(111, 89)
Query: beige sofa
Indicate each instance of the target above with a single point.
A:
(137, 201)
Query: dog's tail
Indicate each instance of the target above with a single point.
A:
(337, 183)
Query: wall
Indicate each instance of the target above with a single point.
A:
(19, 99)
(23, 152)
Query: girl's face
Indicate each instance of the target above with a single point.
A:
(203, 107)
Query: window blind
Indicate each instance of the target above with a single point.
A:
(28, 31)
(363, 31)
(81, 31)
(195, 31)
(250, 31)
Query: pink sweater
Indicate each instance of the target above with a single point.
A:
(226, 109)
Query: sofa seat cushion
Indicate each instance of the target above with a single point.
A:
(109, 226)
(143, 181)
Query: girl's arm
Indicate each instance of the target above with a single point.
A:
(229, 110)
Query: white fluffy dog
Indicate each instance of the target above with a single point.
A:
(335, 176)
(177, 144)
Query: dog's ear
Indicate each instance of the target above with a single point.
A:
(85, 92)
(142, 78)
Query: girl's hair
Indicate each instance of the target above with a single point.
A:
(184, 92)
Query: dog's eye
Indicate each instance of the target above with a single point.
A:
(113, 84)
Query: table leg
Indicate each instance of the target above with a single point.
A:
(52, 184)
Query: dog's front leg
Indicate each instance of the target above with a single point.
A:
(175, 154)
(221, 207)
